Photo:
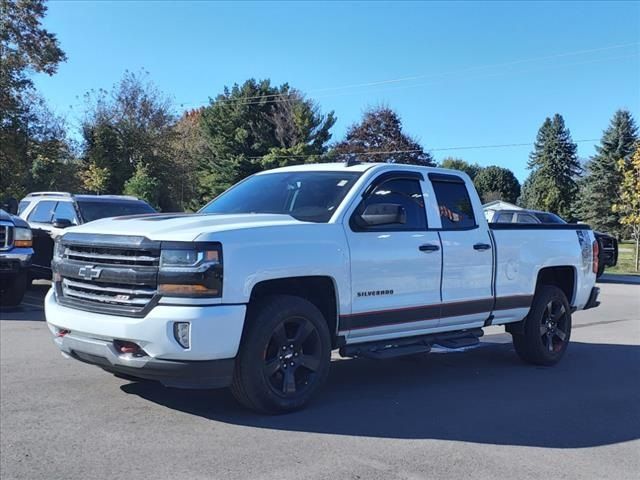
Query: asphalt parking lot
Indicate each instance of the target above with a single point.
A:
(477, 414)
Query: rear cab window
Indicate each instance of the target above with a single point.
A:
(506, 217)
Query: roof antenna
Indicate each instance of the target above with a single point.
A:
(351, 161)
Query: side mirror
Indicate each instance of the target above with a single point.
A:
(380, 214)
(62, 223)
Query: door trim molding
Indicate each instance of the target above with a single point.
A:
(381, 318)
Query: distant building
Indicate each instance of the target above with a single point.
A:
(500, 205)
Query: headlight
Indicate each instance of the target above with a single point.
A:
(22, 237)
(190, 269)
(58, 249)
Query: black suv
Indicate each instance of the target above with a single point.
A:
(49, 213)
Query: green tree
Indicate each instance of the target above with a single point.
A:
(26, 48)
(95, 179)
(554, 168)
(628, 205)
(143, 185)
(600, 186)
(189, 146)
(497, 183)
(471, 169)
(379, 138)
(130, 125)
(254, 126)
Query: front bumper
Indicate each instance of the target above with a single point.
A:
(208, 363)
(15, 261)
(171, 373)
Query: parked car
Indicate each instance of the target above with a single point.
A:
(608, 245)
(49, 213)
(15, 258)
(374, 260)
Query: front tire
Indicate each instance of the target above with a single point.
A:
(547, 329)
(13, 291)
(284, 355)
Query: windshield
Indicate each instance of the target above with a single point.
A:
(308, 196)
(91, 211)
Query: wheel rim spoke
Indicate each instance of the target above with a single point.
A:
(279, 335)
(271, 367)
(560, 334)
(548, 311)
(310, 362)
(289, 382)
(543, 329)
(550, 341)
(304, 330)
(559, 314)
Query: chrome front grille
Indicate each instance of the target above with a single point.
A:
(107, 293)
(607, 243)
(111, 256)
(6, 237)
(114, 276)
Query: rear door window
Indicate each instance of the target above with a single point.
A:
(454, 204)
(43, 212)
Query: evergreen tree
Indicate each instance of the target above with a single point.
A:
(601, 185)
(379, 138)
(497, 183)
(554, 168)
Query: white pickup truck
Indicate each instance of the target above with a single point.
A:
(257, 289)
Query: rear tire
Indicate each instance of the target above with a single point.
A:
(12, 292)
(547, 329)
(284, 355)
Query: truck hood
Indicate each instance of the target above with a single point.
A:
(181, 226)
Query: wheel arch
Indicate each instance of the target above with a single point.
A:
(562, 276)
(320, 290)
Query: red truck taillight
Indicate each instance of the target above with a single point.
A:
(596, 253)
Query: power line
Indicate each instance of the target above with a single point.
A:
(417, 150)
(278, 98)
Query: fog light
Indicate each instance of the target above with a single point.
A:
(182, 332)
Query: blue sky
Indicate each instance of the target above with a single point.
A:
(459, 74)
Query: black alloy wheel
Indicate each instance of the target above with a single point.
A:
(553, 326)
(284, 355)
(293, 356)
(543, 336)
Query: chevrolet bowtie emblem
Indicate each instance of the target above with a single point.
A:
(89, 272)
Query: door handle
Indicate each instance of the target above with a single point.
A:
(428, 247)
(482, 246)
